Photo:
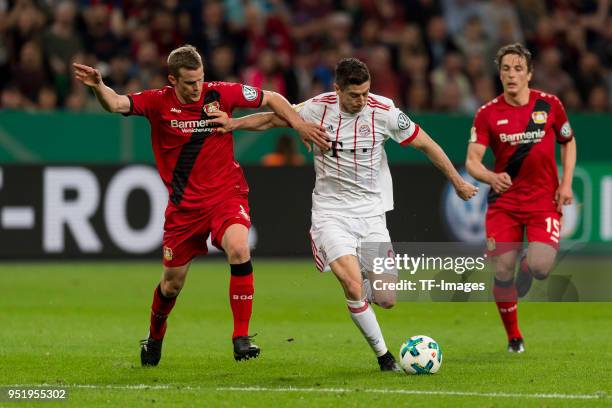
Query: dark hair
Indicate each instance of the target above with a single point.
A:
(183, 57)
(516, 48)
(351, 71)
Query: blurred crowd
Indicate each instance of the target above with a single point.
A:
(427, 55)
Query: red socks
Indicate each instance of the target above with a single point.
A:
(241, 300)
(160, 310)
(241, 297)
(505, 298)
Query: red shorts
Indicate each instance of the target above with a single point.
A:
(186, 231)
(505, 229)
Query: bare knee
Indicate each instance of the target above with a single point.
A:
(171, 288)
(539, 270)
(173, 280)
(540, 259)
(384, 298)
(238, 252)
(504, 274)
(385, 303)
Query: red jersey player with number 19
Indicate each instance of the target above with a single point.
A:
(206, 187)
(521, 127)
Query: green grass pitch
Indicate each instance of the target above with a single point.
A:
(78, 325)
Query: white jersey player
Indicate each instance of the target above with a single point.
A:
(353, 187)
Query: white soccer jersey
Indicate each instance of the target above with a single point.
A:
(353, 178)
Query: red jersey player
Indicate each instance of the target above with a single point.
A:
(521, 127)
(206, 187)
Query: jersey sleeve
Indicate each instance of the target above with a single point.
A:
(561, 125)
(480, 129)
(400, 127)
(242, 96)
(305, 110)
(144, 103)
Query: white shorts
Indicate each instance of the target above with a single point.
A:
(333, 236)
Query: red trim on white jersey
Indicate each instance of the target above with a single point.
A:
(321, 124)
(330, 99)
(355, 145)
(412, 136)
(372, 149)
(377, 106)
(337, 134)
(374, 103)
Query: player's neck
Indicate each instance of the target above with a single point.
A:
(519, 99)
(180, 97)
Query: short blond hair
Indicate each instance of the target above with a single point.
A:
(186, 57)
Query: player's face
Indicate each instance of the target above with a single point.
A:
(514, 74)
(354, 97)
(188, 85)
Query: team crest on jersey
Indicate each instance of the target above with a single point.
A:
(211, 107)
(249, 92)
(566, 130)
(167, 253)
(403, 122)
(364, 130)
(539, 117)
(330, 128)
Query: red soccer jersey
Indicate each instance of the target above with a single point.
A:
(522, 139)
(195, 163)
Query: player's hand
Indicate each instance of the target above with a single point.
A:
(501, 182)
(466, 190)
(313, 133)
(221, 121)
(87, 75)
(563, 196)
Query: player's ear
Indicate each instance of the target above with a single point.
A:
(529, 75)
(172, 79)
(337, 88)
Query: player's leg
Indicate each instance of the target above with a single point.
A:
(334, 242)
(377, 244)
(230, 230)
(505, 295)
(164, 299)
(504, 234)
(543, 234)
(379, 284)
(347, 271)
(536, 262)
(540, 259)
(235, 245)
(182, 241)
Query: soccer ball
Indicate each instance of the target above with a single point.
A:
(420, 355)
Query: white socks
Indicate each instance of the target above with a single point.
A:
(364, 317)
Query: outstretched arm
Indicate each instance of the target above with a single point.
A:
(268, 120)
(109, 99)
(564, 194)
(499, 182)
(256, 122)
(437, 156)
(309, 132)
